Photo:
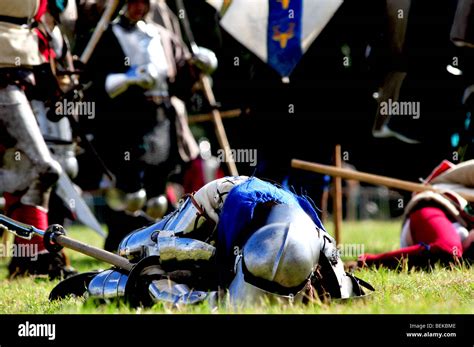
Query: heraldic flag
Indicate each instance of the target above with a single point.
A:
(277, 31)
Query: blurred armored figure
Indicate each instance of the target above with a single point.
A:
(141, 130)
(28, 170)
(55, 78)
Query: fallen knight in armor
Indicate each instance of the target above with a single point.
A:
(239, 236)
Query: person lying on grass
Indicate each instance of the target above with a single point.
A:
(239, 238)
(438, 226)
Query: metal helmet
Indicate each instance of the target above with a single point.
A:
(278, 259)
(156, 207)
(118, 200)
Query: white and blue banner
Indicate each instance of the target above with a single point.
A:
(278, 31)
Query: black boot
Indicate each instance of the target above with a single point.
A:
(54, 265)
(120, 224)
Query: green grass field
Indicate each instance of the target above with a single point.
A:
(441, 291)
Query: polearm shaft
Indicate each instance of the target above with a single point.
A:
(99, 30)
(219, 125)
(106, 18)
(369, 178)
(101, 27)
(201, 118)
(209, 94)
(28, 231)
(94, 252)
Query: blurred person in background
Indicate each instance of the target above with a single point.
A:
(139, 69)
(28, 171)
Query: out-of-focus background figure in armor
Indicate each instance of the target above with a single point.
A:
(139, 70)
(28, 170)
(54, 79)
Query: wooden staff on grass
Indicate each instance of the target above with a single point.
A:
(370, 178)
(55, 238)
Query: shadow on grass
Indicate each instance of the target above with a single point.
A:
(88, 264)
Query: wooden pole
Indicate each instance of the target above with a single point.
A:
(369, 178)
(208, 93)
(218, 125)
(27, 231)
(94, 252)
(201, 118)
(99, 30)
(337, 197)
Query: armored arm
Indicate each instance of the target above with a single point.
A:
(153, 278)
(143, 76)
(175, 254)
(165, 248)
(205, 60)
(179, 294)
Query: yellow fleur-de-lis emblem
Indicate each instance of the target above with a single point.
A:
(283, 37)
(284, 3)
